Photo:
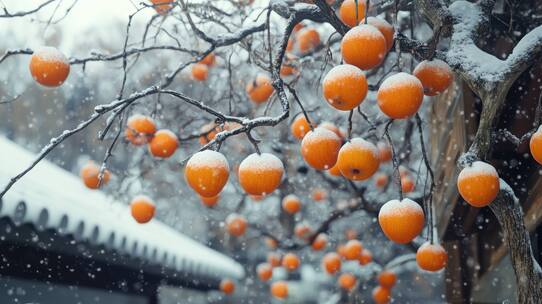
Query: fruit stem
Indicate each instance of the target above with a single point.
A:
(395, 162)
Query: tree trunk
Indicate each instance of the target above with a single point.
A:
(528, 273)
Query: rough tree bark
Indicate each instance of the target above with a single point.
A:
(490, 79)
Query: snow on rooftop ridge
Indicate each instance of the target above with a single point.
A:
(61, 194)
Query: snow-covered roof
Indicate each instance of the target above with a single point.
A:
(49, 197)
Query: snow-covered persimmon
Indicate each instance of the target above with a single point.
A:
(373, 51)
(436, 76)
(387, 279)
(381, 180)
(236, 224)
(348, 13)
(407, 184)
(345, 87)
(350, 234)
(381, 295)
(274, 259)
(365, 257)
(401, 221)
(291, 204)
(260, 89)
(400, 96)
(208, 133)
(332, 127)
(290, 261)
(271, 243)
(200, 71)
(208, 60)
(320, 242)
(142, 209)
(331, 263)
(307, 40)
(320, 148)
(347, 281)
(227, 286)
(478, 184)
(207, 172)
(352, 250)
(163, 144)
(431, 257)
(358, 159)
(49, 67)
(385, 28)
(318, 194)
(384, 151)
(300, 127)
(260, 174)
(90, 174)
(302, 230)
(139, 129)
(264, 271)
(279, 289)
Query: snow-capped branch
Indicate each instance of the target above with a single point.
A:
(7, 14)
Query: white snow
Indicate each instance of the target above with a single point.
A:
(360, 143)
(167, 132)
(208, 159)
(478, 168)
(464, 52)
(261, 163)
(49, 53)
(439, 67)
(364, 31)
(344, 71)
(399, 80)
(319, 134)
(398, 208)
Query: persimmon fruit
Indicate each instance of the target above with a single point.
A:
(400, 96)
(142, 209)
(320, 148)
(260, 174)
(358, 159)
(207, 172)
(49, 67)
(345, 87)
(163, 144)
(401, 221)
(90, 174)
(373, 51)
(478, 184)
(431, 257)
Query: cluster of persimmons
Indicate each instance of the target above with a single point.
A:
(323, 146)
